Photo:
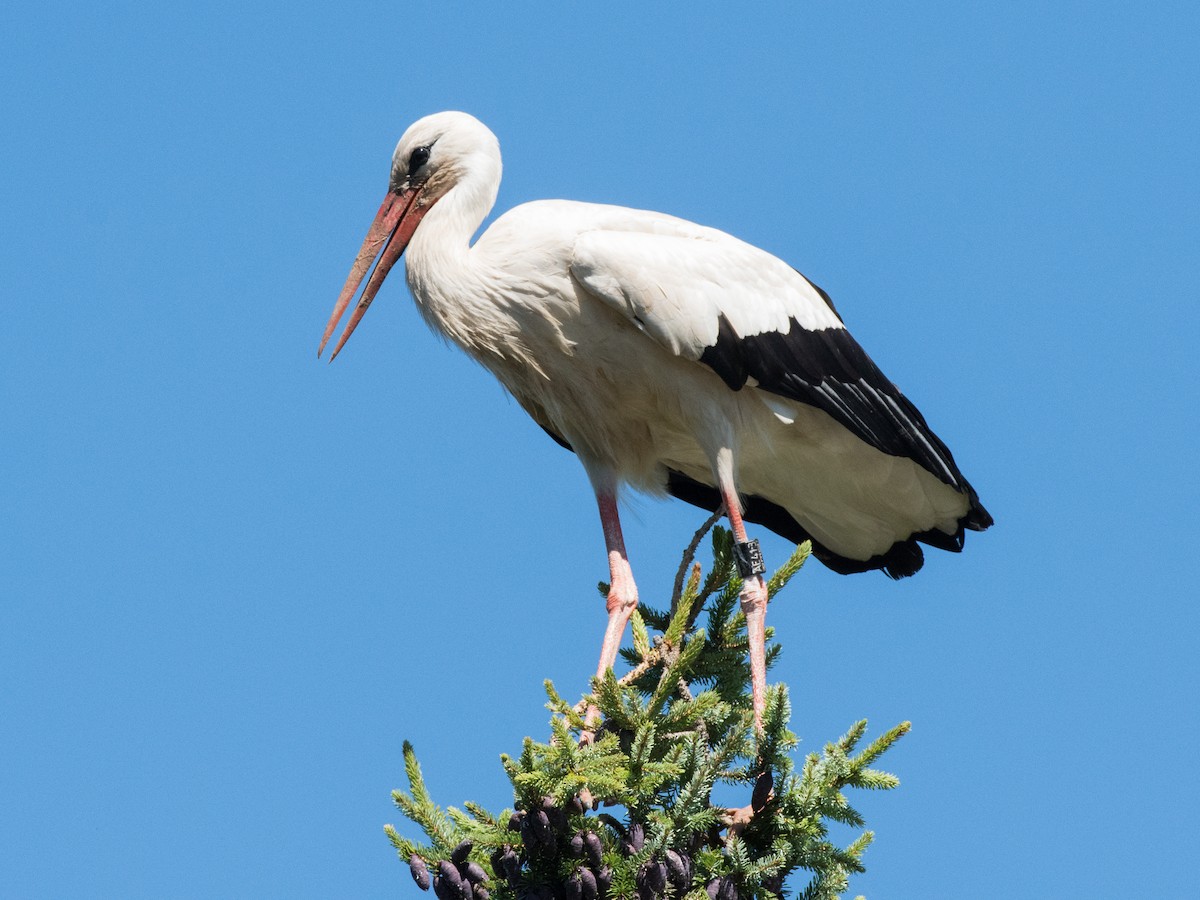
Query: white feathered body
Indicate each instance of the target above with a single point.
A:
(596, 317)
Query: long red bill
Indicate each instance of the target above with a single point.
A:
(391, 231)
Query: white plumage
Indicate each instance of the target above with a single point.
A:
(670, 357)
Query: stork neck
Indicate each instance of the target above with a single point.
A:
(440, 251)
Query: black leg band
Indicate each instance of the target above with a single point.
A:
(749, 558)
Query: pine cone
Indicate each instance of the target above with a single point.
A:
(473, 872)
(762, 791)
(575, 845)
(635, 839)
(678, 870)
(420, 871)
(604, 879)
(594, 848)
(588, 883)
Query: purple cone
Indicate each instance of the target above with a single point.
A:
(594, 849)
(587, 882)
(762, 791)
(420, 871)
(473, 872)
(677, 870)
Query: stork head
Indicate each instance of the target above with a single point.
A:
(435, 155)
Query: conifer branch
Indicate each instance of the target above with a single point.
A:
(689, 555)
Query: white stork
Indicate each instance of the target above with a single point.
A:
(672, 358)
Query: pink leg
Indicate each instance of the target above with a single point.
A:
(622, 592)
(754, 606)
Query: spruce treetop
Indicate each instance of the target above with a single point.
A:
(621, 807)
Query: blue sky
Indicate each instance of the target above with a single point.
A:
(234, 579)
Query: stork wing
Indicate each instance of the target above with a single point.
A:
(678, 288)
(747, 315)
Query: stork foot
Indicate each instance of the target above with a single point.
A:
(591, 719)
(622, 601)
(736, 820)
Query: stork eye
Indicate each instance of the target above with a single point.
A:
(419, 157)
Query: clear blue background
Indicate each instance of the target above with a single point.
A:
(234, 579)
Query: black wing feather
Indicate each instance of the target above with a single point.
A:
(826, 368)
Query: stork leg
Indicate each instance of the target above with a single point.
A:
(622, 592)
(754, 606)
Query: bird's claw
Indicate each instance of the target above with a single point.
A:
(736, 820)
(591, 724)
